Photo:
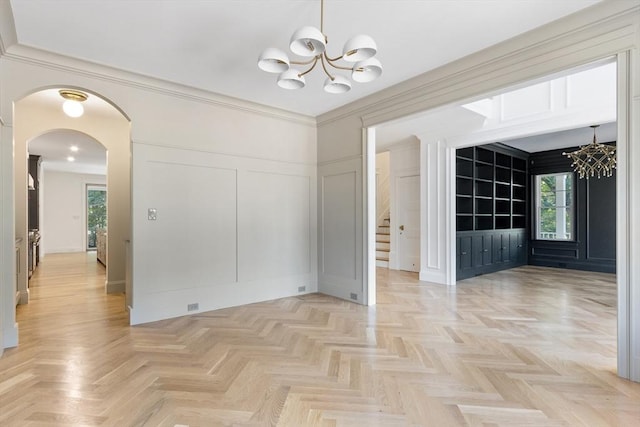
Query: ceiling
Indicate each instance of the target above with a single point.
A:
(214, 45)
(55, 147)
(606, 132)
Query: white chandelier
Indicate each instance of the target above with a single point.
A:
(311, 43)
(593, 159)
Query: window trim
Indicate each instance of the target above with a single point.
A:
(537, 207)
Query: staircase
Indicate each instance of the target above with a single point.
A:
(383, 243)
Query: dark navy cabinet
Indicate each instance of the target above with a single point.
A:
(491, 209)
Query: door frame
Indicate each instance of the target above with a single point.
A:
(628, 349)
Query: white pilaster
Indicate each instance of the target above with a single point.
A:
(436, 224)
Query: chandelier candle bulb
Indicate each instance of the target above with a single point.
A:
(310, 43)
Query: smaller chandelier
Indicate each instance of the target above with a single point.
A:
(593, 159)
(310, 42)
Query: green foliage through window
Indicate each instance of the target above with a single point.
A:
(96, 214)
(554, 206)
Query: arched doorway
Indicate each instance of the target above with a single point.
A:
(41, 112)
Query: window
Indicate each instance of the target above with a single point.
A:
(554, 206)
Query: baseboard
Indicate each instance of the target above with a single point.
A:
(115, 286)
(433, 276)
(23, 296)
(64, 250)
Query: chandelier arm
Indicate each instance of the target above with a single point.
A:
(324, 67)
(330, 62)
(315, 61)
(331, 59)
(315, 58)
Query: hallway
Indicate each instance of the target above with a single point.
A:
(530, 346)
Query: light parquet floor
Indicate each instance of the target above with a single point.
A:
(525, 347)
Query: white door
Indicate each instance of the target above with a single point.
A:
(408, 222)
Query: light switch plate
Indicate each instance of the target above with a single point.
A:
(152, 214)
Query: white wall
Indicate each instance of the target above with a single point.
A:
(64, 210)
(383, 201)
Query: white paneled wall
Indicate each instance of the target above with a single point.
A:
(340, 258)
(275, 230)
(229, 230)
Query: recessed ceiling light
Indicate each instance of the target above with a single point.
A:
(71, 159)
(74, 148)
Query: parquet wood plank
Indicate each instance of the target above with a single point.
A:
(529, 347)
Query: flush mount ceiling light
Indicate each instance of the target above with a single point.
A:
(593, 159)
(72, 105)
(311, 44)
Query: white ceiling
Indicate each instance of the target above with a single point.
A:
(214, 45)
(54, 147)
(606, 132)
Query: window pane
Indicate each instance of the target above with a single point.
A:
(554, 206)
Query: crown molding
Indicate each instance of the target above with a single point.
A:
(8, 35)
(615, 19)
(53, 61)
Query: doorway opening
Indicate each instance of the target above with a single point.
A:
(39, 115)
(96, 212)
(478, 204)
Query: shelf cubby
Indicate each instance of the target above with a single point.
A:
(519, 178)
(464, 222)
(503, 222)
(484, 206)
(503, 175)
(503, 207)
(519, 221)
(464, 167)
(519, 193)
(464, 205)
(484, 188)
(464, 186)
(484, 171)
(503, 191)
(466, 153)
(491, 192)
(503, 160)
(519, 207)
(519, 164)
(483, 155)
(484, 222)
